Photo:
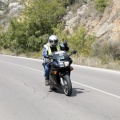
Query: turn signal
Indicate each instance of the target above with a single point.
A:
(55, 72)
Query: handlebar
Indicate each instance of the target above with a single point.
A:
(51, 56)
(48, 56)
(73, 52)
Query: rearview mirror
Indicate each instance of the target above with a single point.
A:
(74, 52)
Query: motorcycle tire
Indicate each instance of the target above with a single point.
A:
(67, 85)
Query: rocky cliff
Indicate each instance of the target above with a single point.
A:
(9, 9)
(105, 25)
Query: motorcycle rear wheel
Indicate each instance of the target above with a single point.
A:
(67, 88)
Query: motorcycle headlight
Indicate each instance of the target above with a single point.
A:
(61, 64)
(66, 63)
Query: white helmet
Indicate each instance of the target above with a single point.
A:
(53, 40)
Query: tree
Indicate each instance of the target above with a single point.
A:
(30, 30)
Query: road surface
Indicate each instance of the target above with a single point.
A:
(24, 96)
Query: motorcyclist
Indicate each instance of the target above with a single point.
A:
(52, 46)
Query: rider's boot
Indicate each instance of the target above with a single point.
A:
(46, 81)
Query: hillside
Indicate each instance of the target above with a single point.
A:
(105, 25)
(90, 26)
(9, 9)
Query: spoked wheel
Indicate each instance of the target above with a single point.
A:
(67, 85)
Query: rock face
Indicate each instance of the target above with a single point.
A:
(104, 25)
(9, 9)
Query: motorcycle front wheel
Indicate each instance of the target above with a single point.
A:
(67, 88)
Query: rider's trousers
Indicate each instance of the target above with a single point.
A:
(46, 71)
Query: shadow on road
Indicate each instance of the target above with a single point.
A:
(75, 91)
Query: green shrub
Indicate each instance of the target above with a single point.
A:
(101, 4)
(35, 24)
(106, 49)
(81, 41)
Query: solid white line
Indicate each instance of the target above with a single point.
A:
(22, 66)
(80, 66)
(72, 81)
(25, 58)
(97, 89)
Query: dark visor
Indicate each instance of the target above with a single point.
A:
(51, 41)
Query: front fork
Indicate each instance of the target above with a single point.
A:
(61, 81)
(61, 75)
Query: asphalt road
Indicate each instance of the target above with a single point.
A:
(24, 96)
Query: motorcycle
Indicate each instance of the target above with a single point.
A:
(59, 76)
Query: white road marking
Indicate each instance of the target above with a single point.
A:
(22, 66)
(87, 67)
(72, 81)
(96, 89)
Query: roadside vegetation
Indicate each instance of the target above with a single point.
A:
(101, 4)
(27, 34)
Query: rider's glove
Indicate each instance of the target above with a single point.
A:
(65, 43)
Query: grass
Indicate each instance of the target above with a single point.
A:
(96, 62)
(77, 59)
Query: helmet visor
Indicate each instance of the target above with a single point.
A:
(53, 41)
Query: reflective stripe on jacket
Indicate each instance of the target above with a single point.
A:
(47, 46)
